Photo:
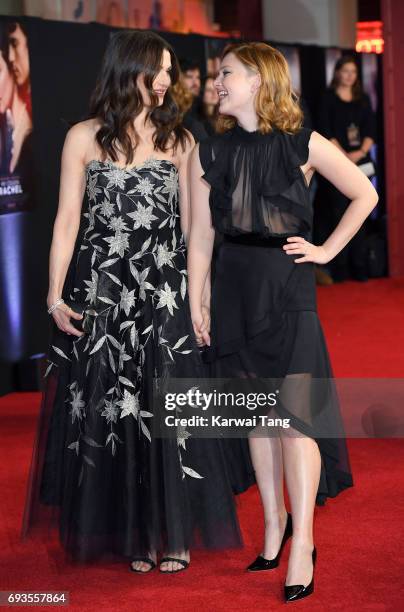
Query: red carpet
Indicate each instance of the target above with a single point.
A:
(359, 535)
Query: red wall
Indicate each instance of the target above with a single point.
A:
(393, 84)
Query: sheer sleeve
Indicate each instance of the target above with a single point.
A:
(256, 182)
(214, 158)
(302, 140)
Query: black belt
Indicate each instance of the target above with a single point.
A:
(256, 240)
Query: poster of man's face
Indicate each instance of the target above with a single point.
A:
(18, 55)
(15, 119)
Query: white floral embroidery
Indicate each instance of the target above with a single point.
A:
(117, 177)
(117, 224)
(122, 357)
(171, 185)
(182, 436)
(127, 299)
(77, 404)
(110, 411)
(92, 189)
(119, 243)
(143, 216)
(164, 256)
(167, 298)
(135, 281)
(154, 164)
(107, 208)
(145, 187)
(129, 404)
(92, 287)
(143, 284)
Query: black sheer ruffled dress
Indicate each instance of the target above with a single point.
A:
(100, 474)
(264, 316)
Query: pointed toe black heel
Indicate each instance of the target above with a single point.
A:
(261, 564)
(294, 592)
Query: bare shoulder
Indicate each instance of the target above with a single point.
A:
(321, 149)
(316, 137)
(318, 143)
(82, 133)
(80, 139)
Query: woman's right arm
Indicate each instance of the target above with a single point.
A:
(67, 222)
(200, 246)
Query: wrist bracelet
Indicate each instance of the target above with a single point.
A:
(55, 305)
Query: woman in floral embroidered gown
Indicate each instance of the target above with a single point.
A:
(98, 470)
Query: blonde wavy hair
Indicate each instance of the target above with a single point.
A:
(276, 104)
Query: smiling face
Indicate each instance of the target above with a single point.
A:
(161, 82)
(236, 86)
(347, 75)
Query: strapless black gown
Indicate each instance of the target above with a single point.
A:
(100, 474)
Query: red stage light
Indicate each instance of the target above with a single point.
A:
(369, 37)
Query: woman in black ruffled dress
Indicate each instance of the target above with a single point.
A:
(250, 184)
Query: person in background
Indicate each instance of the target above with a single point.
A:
(191, 76)
(346, 118)
(184, 100)
(191, 80)
(210, 101)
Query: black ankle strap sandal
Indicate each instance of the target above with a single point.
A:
(182, 562)
(143, 560)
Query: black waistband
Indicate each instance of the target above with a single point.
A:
(255, 240)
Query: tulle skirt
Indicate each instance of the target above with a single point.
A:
(265, 330)
(103, 481)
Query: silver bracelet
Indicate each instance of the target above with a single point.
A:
(55, 305)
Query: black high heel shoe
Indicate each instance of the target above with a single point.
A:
(147, 560)
(183, 562)
(261, 564)
(294, 592)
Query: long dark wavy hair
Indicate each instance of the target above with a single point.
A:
(116, 99)
(356, 87)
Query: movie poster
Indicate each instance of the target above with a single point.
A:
(16, 158)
